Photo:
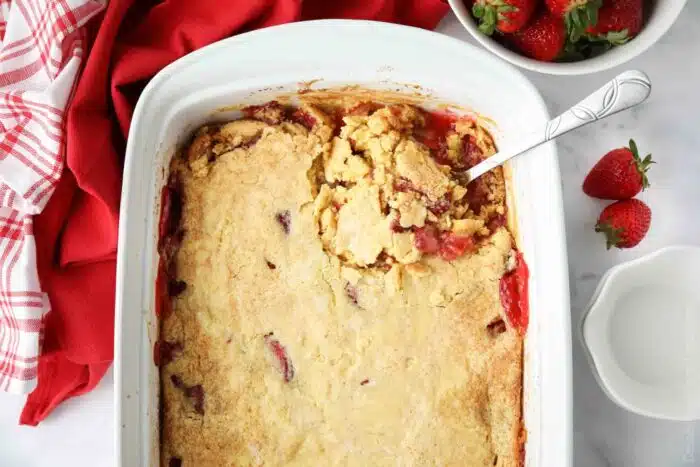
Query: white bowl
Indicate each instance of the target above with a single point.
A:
(642, 334)
(660, 16)
(252, 68)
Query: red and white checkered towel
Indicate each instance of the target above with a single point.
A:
(41, 49)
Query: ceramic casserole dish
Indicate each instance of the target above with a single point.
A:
(252, 69)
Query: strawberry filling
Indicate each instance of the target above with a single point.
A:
(396, 226)
(471, 154)
(165, 352)
(280, 353)
(162, 300)
(449, 245)
(434, 132)
(514, 295)
(194, 393)
(176, 287)
(453, 246)
(271, 112)
(351, 292)
(170, 210)
(285, 220)
(440, 206)
(427, 240)
(496, 327)
(303, 118)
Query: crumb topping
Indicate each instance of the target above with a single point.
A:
(334, 293)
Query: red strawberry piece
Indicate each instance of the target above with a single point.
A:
(434, 132)
(543, 39)
(618, 21)
(440, 206)
(285, 220)
(624, 223)
(164, 352)
(471, 153)
(496, 327)
(453, 246)
(196, 393)
(396, 226)
(177, 381)
(577, 14)
(496, 222)
(477, 194)
(271, 112)
(280, 353)
(506, 16)
(620, 174)
(351, 292)
(171, 209)
(513, 289)
(427, 240)
(303, 118)
(176, 287)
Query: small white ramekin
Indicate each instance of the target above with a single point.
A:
(662, 15)
(641, 332)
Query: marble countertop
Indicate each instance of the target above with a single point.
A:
(79, 433)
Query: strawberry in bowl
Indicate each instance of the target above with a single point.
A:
(504, 16)
(598, 34)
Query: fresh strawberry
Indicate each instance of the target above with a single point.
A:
(577, 14)
(506, 16)
(543, 39)
(624, 223)
(620, 174)
(618, 21)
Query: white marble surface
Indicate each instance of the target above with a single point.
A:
(80, 432)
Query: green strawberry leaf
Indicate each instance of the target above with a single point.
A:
(613, 236)
(642, 165)
(578, 19)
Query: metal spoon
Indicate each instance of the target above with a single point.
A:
(623, 92)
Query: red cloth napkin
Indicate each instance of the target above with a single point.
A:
(76, 234)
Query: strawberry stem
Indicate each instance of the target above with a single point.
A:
(489, 13)
(580, 18)
(613, 236)
(642, 165)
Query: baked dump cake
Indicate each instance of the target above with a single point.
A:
(334, 293)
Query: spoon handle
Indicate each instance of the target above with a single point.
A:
(624, 91)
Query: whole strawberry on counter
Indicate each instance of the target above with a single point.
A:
(618, 21)
(624, 223)
(505, 16)
(544, 38)
(578, 14)
(620, 174)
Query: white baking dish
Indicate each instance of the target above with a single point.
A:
(188, 93)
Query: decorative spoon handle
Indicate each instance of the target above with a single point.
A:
(623, 92)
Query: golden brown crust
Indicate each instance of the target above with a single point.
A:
(312, 342)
